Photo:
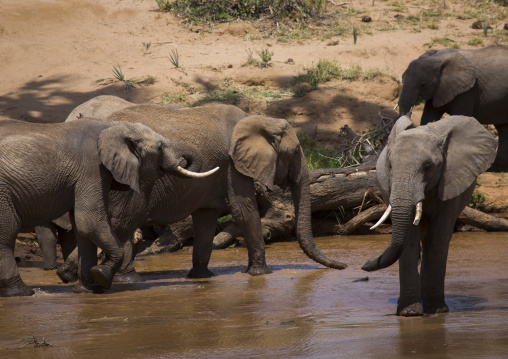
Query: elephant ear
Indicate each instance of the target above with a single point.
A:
(469, 150)
(117, 150)
(254, 147)
(457, 74)
(382, 165)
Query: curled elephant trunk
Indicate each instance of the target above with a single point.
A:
(301, 198)
(401, 222)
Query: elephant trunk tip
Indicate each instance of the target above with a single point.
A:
(373, 265)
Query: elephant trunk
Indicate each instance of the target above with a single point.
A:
(402, 219)
(300, 191)
(406, 102)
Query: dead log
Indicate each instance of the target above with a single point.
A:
(369, 215)
(334, 188)
(482, 220)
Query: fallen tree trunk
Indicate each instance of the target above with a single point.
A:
(482, 220)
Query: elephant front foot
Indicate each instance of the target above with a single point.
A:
(102, 275)
(15, 287)
(200, 273)
(88, 288)
(435, 308)
(413, 310)
(68, 272)
(129, 277)
(255, 270)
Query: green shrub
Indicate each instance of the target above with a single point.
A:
(220, 10)
(477, 200)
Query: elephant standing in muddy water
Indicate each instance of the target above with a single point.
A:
(427, 175)
(461, 82)
(47, 170)
(245, 148)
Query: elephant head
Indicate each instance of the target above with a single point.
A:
(437, 75)
(268, 150)
(133, 151)
(438, 161)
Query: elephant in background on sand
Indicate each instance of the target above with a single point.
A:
(461, 82)
(48, 170)
(244, 148)
(427, 175)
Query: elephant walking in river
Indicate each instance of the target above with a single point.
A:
(47, 170)
(245, 148)
(427, 175)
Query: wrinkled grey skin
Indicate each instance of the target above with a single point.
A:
(461, 82)
(437, 164)
(244, 148)
(48, 170)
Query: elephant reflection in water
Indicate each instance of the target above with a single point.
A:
(427, 175)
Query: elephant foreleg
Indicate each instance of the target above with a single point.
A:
(501, 162)
(86, 260)
(204, 221)
(245, 213)
(409, 303)
(430, 113)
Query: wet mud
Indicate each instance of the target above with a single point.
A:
(301, 310)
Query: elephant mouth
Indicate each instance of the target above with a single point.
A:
(416, 221)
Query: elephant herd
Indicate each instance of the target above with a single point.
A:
(114, 166)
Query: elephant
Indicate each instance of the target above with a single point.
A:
(59, 230)
(48, 170)
(244, 148)
(461, 82)
(427, 173)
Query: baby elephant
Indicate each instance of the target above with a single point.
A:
(427, 175)
(47, 170)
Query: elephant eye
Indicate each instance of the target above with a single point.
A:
(426, 166)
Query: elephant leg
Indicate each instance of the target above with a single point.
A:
(127, 273)
(434, 256)
(11, 284)
(97, 230)
(501, 162)
(204, 222)
(86, 260)
(47, 238)
(67, 240)
(409, 303)
(245, 213)
(68, 272)
(430, 114)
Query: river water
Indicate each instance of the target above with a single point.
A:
(301, 310)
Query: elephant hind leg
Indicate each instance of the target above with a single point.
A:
(11, 284)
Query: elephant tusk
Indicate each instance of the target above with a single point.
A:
(418, 215)
(196, 174)
(397, 105)
(383, 217)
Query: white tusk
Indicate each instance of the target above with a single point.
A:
(397, 105)
(196, 174)
(383, 217)
(418, 215)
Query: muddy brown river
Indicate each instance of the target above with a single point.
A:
(299, 311)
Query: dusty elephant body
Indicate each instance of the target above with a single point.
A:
(461, 82)
(48, 170)
(244, 148)
(432, 169)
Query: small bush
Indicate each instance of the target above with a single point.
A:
(316, 154)
(477, 200)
